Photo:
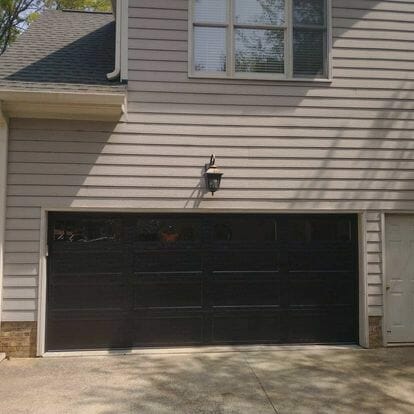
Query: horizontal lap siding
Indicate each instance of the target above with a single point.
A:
(347, 144)
(21, 261)
(282, 145)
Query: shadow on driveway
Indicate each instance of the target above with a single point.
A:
(281, 380)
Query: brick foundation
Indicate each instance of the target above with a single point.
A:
(375, 332)
(18, 339)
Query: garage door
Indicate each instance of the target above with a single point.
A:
(119, 281)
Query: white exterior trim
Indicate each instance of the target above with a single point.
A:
(121, 41)
(42, 285)
(41, 320)
(124, 40)
(363, 281)
(4, 136)
(384, 282)
(107, 106)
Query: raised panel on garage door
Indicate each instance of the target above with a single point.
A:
(87, 284)
(167, 280)
(245, 280)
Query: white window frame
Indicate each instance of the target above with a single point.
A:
(230, 64)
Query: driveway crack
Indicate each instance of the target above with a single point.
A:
(275, 409)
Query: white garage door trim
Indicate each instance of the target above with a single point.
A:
(363, 281)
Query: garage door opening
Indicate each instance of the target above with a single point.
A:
(141, 280)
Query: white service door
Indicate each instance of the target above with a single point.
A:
(400, 278)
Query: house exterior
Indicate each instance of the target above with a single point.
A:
(110, 237)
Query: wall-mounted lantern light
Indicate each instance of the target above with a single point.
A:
(213, 175)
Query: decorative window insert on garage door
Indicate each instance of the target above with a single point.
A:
(132, 280)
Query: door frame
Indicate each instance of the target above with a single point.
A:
(42, 286)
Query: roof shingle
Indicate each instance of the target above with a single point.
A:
(62, 50)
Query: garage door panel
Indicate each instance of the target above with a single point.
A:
(125, 280)
(167, 261)
(168, 290)
(102, 296)
(321, 326)
(75, 261)
(321, 289)
(320, 260)
(246, 289)
(248, 326)
(160, 330)
(86, 334)
(244, 260)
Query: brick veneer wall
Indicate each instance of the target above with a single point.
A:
(375, 332)
(18, 339)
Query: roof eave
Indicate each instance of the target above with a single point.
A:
(89, 105)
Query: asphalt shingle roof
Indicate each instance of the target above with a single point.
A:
(62, 50)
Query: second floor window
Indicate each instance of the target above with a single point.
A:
(261, 39)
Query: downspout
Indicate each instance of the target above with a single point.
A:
(4, 136)
(115, 74)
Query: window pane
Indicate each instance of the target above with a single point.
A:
(243, 229)
(167, 230)
(308, 54)
(210, 49)
(210, 11)
(87, 230)
(260, 11)
(309, 12)
(260, 51)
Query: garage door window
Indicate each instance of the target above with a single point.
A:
(87, 231)
(167, 231)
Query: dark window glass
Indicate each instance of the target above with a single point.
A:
(331, 230)
(308, 53)
(298, 230)
(87, 230)
(167, 231)
(309, 12)
(234, 230)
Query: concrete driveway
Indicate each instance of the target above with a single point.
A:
(279, 380)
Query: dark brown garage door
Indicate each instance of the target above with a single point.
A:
(128, 280)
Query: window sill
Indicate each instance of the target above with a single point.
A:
(259, 78)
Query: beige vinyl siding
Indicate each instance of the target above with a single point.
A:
(21, 259)
(283, 146)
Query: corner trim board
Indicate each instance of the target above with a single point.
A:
(4, 137)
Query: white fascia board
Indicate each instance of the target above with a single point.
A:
(4, 137)
(66, 97)
(63, 105)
